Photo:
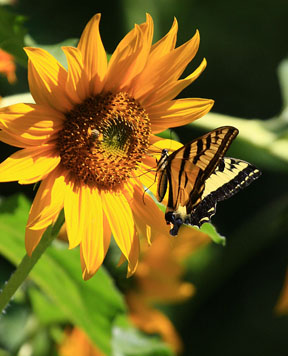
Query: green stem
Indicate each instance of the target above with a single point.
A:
(27, 263)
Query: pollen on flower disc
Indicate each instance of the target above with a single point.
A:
(104, 139)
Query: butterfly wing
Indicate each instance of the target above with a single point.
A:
(230, 176)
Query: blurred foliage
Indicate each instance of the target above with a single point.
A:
(12, 33)
(237, 285)
(95, 306)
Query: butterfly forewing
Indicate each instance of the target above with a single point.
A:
(192, 164)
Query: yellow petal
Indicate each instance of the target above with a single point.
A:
(85, 275)
(170, 145)
(145, 210)
(92, 241)
(29, 165)
(122, 259)
(166, 44)
(120, 218)
(171, 90)
(78, 213)
(48, 201)
(31, 124)
(129, 58)
(84, 222)
(12, 140)
(134, 255)
(128, 192)
(122, 60)
(47, 79)
(32, 238)
(97, 262)
(94, 55)
(178, 112)
(73, 209)
(77, 85)
(147, 177)
(165, 69)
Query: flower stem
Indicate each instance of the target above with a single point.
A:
(27, 263)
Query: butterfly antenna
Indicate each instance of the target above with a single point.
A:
(145, 172)
(147, 188)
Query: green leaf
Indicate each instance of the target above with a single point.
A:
(260, 142)
(44, 307)
(127, 341)
(13, 326)
(90, 305)
(130, 342)
(283, 81)
(211, 231)
(4, 353)
(169, 134)
(12, 34)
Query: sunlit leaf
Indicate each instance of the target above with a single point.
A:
(259, 142)
(17, 98)
(211, 231)
(127, 341)
(283, 81)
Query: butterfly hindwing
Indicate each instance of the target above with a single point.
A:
(199, 176)
(229, 177)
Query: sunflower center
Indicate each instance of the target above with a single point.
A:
(104, 139)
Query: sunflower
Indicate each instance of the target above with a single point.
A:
(88, 135)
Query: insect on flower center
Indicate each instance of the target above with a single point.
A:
(104, 139)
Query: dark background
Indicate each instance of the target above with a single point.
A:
(243, 42)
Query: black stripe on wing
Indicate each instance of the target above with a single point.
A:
(241, 173)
